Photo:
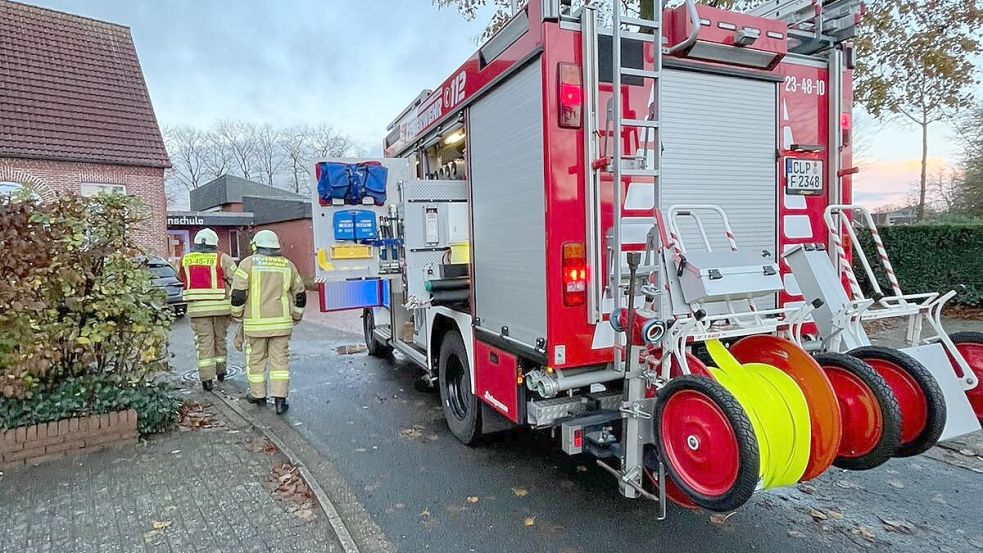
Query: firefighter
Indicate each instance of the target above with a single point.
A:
(207, 275)
(268, 297)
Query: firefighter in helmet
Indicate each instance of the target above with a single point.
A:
(268, 297)
(207, 275)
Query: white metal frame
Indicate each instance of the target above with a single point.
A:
(919, 308)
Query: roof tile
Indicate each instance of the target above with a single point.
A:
(71, 88)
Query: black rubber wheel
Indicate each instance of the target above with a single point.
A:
(970, 345)
(686, 399)
(890, 364)
(461, 408)
(862, 376)
(374, 347)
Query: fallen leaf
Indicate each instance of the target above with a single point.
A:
(835, 515)
(161, 524)
(865, 533)
(896, 484)
(817, 515)
(529, 521)
(845, 484)
(721, 518)
(472, 499)
(520, 492)
(806, 488)
(425, 513)
(899, 526)
(795, 534)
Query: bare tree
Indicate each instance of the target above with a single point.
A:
(240, 136)
(269, 151)
(327, 142)
(187, 148)
(945, 185)
(220, 158)
(296, 145)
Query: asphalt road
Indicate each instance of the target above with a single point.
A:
(520, 493)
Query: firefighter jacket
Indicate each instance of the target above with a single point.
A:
(268, 296)
(206, 277)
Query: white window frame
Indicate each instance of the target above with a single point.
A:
(90, 189)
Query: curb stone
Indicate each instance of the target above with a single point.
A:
(327, 507)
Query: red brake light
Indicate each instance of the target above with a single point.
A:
(845, 124)
(574, 274)
(578, 438)
(571, 94)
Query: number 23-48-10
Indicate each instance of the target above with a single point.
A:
(815, 87)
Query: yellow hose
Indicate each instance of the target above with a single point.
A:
(778, 412)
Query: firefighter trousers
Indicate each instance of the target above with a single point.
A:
(210, 344)
(270, 352)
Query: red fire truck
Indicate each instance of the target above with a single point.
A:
(583, 229)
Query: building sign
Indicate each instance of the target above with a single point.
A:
(201, 219)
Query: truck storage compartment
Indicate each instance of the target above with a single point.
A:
(508, 208)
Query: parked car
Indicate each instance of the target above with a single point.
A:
(165, 278)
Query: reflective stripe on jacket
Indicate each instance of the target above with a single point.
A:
(206, 277)
(272, 284)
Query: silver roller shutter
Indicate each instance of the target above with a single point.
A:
(505, 137)
(719, 135)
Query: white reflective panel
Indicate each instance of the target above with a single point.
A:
(797, 226)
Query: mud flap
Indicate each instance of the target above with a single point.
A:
(492, 421)
(960, 418)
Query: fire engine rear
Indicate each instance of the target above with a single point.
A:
(638, 233)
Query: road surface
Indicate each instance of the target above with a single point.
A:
(520, 493)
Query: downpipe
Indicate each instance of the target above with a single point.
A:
(551, 383)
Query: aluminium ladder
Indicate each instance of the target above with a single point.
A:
(642, 165)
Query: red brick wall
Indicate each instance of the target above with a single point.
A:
(40, 443)
(50, 178)
(297, 243)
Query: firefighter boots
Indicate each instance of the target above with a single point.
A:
(208, 385)
(281, 405)
(256, 400)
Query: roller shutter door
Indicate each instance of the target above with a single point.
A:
(719, 135)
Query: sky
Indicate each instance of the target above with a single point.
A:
(356, 64)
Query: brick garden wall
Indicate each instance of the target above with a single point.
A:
(50, 178)
(33, 445)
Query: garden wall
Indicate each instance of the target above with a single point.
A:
(33, 445)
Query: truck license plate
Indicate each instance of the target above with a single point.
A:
(803, 176)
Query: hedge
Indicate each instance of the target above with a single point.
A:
(78, 396)
(931, 258)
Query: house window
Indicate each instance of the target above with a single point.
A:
(8, 188)
(93, 189)
(234, 243)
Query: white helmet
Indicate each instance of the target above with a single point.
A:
(266, 239)
(206, 237)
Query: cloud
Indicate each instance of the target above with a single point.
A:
(891, 182)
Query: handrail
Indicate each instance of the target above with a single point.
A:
(694, 18)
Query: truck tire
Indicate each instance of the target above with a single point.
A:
(970, 346)
(707, 443)
(923, 411)
(871, 417)
(374, 346)
(461, 408)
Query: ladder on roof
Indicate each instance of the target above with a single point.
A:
(813, 25)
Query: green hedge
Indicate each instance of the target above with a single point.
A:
(932, 258)
(155, 402)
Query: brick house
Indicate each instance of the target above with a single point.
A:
(236, 209)
(75, 114)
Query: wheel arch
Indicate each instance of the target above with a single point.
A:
(442, 321)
